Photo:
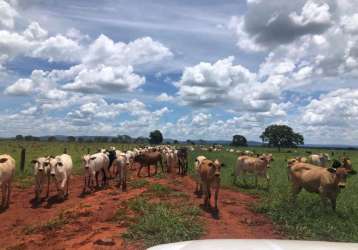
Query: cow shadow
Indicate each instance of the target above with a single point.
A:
(210, 210)
(35, 203)
(55, 199)
(3, 209)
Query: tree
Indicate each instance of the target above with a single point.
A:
(28, 138)
(71, 138)
(155, 137)
(175, 142)
(281, 136)
(239, 141)
(80, 139)
(19, 138)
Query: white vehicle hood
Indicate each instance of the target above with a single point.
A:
(256, 245)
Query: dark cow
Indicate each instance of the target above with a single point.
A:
(183, 161)
(147, 159)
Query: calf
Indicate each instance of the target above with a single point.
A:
(325, 181)
(182, 156)
(209, 173)
(257, 166)
(7, 172)
(42, 175)
(60, 169)
(199, 185)
(147, 159)
(93, 165)
(120, 166)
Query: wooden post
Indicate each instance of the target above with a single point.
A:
(22, 159)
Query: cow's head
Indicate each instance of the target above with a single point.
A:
(86, 161)
(340, 176)
(267, 158)
(54, 164)
(216, 165)
(41, 164)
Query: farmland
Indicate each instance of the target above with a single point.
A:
(306, 220)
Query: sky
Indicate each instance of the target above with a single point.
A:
(192, 69)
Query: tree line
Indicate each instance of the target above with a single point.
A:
(273, 136)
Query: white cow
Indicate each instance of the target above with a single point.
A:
(120, 168)
(93, 164)
(42, 174)
(60, 169)
(7, 172)
(321, 159)
(199, 185)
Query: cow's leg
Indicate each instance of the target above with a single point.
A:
(8, 193)
(124, 179)
(268, 180)
(216, 197)
(205, 189)
(48, 186)
(139, 169)
(96, 176)
(3, 194)
(68, 183)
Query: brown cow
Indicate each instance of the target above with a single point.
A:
(325, 181)
(257, 166)
(209, 173)
(147, 159)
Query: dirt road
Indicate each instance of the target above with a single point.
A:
(79, 222)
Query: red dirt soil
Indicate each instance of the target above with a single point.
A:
(90, 215)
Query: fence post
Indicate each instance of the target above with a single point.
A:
(22, 159)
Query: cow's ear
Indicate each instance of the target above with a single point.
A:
(34, 161)
(2, 160)
(93, 158)
(331, 170)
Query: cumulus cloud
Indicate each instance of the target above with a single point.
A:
(272, 23)
(164, 97)
(7, 15)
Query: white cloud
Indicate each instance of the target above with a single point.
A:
(102, 79)
(312, 13)
(7, 15)
(164, 97)
(20, 87)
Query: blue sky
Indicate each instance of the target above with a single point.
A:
(193, 69)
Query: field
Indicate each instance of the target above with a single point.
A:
(245, 211)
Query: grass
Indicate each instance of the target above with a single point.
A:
(161, 223)
(138, 183)
(307, 219)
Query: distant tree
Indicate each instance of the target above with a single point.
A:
(190, 142)
(28, 138)
(71, 138)
(239, 141)
(80, 139)
(281, 136)
(141, 140)
(155, 137)
(175, 142)
(125, 138)
(114, 140)
(19, 138)
(51, 138)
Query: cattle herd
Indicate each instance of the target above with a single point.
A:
(313, 173)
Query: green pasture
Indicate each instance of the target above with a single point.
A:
(307, 219)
